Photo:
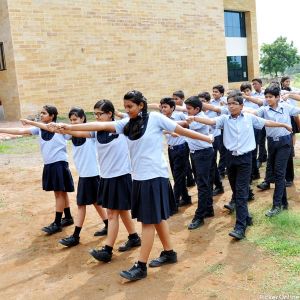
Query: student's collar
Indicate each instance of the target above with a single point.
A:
(278, 109)
(240, 115)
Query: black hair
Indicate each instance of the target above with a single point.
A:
(258, 80)
(194, 101)
(237, 97)
(78, 112)
(169, 101)
(273, 90)
(245, 85)
(135, 128)
(283, 79)
(52, 111)
(220, 88)
(106, 106)
(179, 94)
(205, 95)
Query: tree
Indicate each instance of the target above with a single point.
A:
(275, 58)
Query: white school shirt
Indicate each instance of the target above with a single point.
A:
(200, 128)
(212, 114)
(175, 141)
(238, 133)
(112, 153)
(53, 145)
(146, 153)
(250, 104)
(84, 156)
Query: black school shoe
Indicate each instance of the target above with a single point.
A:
(66, 222)
(275, 210)
(52, 228)
(237, 234)
(209, 213)
(264, 186)
(135, 273)
(230, 206)
(129, 244)
(101, 255)
(164, 259)
(101, 232)
(196, 223)
(218, 191)
(70, 241)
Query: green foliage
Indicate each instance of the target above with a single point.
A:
(277, 57)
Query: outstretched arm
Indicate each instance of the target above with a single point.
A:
(211, 107)
(270, 123)
(255, 100)
(291, 96)
(92, 126)
(206, 121)
(35, 124)
(16, 131)
(155, 106)
(193, 134)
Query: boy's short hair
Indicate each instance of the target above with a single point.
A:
(194, 101)
(245, 85)
(169, 101)
(220, 88)
(258, 80)
(205, 95)
(179, 94)
(273, 90)
(237, 97)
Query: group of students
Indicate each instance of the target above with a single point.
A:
(121, 164)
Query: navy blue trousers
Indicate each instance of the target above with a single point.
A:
(217, 145)
(239, 170)
(204, 168)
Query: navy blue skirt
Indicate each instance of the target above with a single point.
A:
(87, 190)
(152, 200)
(115, 193)
(57, 177)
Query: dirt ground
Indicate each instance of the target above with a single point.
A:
(35, 266)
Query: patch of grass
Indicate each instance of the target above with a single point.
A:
(216, 268)
(279, 235)
(27, 144)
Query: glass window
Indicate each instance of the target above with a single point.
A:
(235, 24)
(237, 68)
(2, 59)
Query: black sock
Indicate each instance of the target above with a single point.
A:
(67, 212)
(142, 265)
(77, 231)
(169, 252)
(133, 236)
(108, 249)
(105, 222)
(58, 216)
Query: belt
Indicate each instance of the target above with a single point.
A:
(178, 147)
(198, 150)
(235, 153)
(284, 138)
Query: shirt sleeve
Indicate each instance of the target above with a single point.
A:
(224, 110)
(220, 121)
(120, 124)
(164, 123)
(257, 122)
(260, 111)
(34, 130)
(293, 110)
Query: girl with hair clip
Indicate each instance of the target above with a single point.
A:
(115, 184)
(56, 174)
(151, 191)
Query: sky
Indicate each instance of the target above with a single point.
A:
(278, 17)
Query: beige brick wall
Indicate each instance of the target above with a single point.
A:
(76, 52)
(8, 82)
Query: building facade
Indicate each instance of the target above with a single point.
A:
(73, 53)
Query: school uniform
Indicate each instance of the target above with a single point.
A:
(262, 151)
(279, 147)
(85, 160)
(152, 195)
(239, 140)
(202, 154)
(255, 170)
(178, 152)
(56, 172)
(115, 183)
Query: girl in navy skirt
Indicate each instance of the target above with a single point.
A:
(114, 189)
(151, 191)
(85, 159)
(56, 174)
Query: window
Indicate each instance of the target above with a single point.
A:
(234, 24)
(2, 58)
(237, 68)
